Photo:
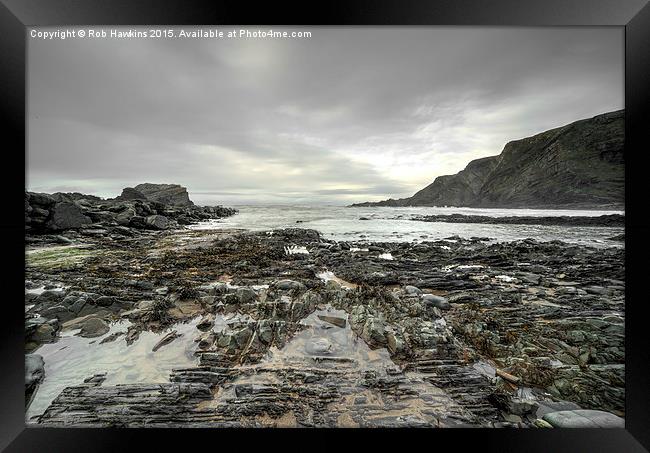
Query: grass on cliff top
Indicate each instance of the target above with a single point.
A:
(58, 257)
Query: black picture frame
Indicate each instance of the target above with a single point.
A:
(633, 15)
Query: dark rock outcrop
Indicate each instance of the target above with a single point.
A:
(580, 165)
(163, 207)
(168, 194)
(65, 216)
(129, 193)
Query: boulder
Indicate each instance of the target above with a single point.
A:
(246, 295)
(412, 290)
(78, 305)
(583, 418)
(522, 406)
(43, 333)
(157, 222)
(66, 215)
(287, 284)
(436, 301)
(137, 222)
(31, 324)
(125, 216)
(59, 311)
(93, 327)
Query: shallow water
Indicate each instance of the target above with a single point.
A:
(320, 345)
(72, 359)
(327, 347)
(323, 340)
(394, 225)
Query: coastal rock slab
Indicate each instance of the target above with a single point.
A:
(583, 418)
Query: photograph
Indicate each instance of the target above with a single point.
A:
(325, 226)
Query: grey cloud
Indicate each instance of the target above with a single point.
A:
(348, 114)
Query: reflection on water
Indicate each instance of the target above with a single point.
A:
(327, 354)
(72, 359)
(394, 224)
(325, 343)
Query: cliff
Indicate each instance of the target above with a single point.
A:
(580, 165)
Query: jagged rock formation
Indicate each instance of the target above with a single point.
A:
(461, 189)
(147, 206)
(169, 194)
(578, 165)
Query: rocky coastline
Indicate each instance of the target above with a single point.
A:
(292, 329)
(145, 207)
(577, 166)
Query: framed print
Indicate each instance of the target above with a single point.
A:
(368, 217)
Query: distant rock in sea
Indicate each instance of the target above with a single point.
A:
(129, 193)
(169, 194)
(580, 165)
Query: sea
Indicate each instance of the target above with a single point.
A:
(390, 224)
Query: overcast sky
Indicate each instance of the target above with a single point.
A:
(348, 115)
